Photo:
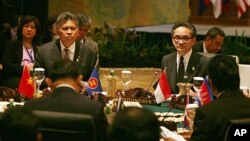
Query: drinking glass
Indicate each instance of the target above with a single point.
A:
(126, 78)
(190, 111)
(39, 75)
(197, 82)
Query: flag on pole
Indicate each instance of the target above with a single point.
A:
(203, 5)
(219, 6)
(162, 91)
(94, 83)
(242, 6)
(185, 122)
(206, 95)
(26, 85)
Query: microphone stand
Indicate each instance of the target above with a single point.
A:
(156, 73)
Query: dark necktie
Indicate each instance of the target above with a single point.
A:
(66, 55)
(181, 70)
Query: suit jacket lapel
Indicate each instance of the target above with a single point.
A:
(77, 50)
(56, 51)
(193, 66)
(172, 72)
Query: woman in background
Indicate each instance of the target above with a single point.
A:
(21, 52)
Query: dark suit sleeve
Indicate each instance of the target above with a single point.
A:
(204, 63)
(38, 59)
(101, 126)
(87, 61)
(12, 64)
(202, 127)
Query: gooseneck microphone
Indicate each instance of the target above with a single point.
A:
(155, 74)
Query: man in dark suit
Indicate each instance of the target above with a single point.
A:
(65, 81)
(211, 120)
(183, 38)
(67, 28)
(212, 43)
(84, 28)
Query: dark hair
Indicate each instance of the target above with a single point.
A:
(135, 124)
(51, 20)
(224, 73)
(15, 20)
(83, 19)
(65, 17)
(18, 124)
(27, 19)
(214, 31)
(187, 25)
(64, 69)
(47, 35)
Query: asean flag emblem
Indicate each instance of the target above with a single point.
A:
(93, 83)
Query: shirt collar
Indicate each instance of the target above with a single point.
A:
(65, 85)
(220, 94)
(204, 48)
(71, 47)
(186, 58)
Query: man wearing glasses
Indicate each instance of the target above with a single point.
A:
(183, 62)
(212, 42)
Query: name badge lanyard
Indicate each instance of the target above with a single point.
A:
(30, 56)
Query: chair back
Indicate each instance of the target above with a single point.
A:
(59, 126)
(235, 129)
(210, 55)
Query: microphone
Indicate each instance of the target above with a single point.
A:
(172, 103)
(156, 73)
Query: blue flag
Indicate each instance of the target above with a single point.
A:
(94, 83)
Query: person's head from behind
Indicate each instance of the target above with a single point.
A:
(223, 73)
(29, 29)
(51, 30)
(183, 37)
(84, 25)
(67, 28)
(64, 72)
(14, 24)
(19, 124)
(51, 25)
(135, 124)
(214, 40)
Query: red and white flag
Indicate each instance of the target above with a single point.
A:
(217, 7)
(162, 91)
(242, 6)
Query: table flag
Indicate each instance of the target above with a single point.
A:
(26, 85)
(162, 91)
(94, 83)
(206, 95)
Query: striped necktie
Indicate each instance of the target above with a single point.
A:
(66, 54)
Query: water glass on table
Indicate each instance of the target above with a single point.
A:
(38, 76)
(190, 111)
(126, 78)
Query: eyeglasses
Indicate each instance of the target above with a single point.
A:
(184, 38)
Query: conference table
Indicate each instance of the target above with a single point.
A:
(163, 109)
(156, 108)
